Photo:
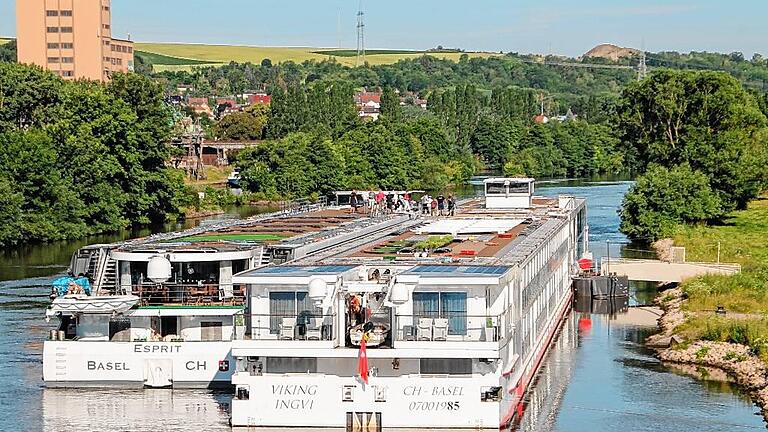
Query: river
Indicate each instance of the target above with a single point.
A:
(597, 376)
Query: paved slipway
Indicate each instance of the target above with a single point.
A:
(598, 376)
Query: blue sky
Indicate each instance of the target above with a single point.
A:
(568, 27)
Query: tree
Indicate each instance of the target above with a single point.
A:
(8, 52)
(390, 106)
(703, 119)
(664, 197)
(245, 125)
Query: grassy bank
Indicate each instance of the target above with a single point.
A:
(743, 238)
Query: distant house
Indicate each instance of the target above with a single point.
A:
(259, 98)
(569, 116)
(541, 119)
(200, 106)
(183, 89)
(230, 101)
(368, 104)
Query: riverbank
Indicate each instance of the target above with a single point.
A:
(736, 341)
(738, 360)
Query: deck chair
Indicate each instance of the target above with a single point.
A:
(424, 329)
(440, 329)
(287, 328)
(314, 328)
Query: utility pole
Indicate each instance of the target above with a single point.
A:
(360, 60)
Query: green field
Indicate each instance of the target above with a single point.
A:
(4, 41)
(161, 59)
(255, 237)
(180, 56)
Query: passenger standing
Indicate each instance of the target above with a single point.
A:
(451, 205)
(371, 201)
(353, 201)
(433, 206)
(425, 204)
(441, 204)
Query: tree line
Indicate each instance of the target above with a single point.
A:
(78, 158)
(701, 140)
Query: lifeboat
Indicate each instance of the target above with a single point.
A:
(81, 303)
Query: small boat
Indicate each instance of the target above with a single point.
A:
(81, 303)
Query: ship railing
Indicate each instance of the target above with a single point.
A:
(448, 326)
(210, 294)
(304, 326)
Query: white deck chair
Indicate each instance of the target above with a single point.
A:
(424, 329)
(440, 329)
(314, 328)
(287, 328)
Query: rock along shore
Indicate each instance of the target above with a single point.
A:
(748, 371)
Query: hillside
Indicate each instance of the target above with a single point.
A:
(182, 56)
(611, 52)
(4, 41)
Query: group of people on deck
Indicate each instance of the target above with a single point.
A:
(394, 202)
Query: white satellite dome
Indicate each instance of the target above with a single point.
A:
(158, 269)
(399, 294)
(317, 289)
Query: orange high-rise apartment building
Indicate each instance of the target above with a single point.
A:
(72, 38)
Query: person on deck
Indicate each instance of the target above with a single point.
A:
(353, 201)
(433, 206)
(441, 204)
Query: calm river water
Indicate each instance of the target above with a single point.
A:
(597, 377)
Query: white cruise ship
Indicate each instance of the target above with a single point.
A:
(163, 311)
(455, 314)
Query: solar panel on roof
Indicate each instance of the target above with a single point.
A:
(278, 270)
(434, 269)
(330, 269)
(489, 270)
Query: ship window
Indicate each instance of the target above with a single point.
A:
(291, 365)
(287, 304)
(495, 189)
(518, 188)
(451, 305)
(435, 366)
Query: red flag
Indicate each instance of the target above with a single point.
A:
(362, 361)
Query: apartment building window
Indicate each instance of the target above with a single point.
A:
(105, 8)
(66, 13)
(52, 29)
(66, 29)
(106, 43)
(53, 59)
(67, 59)
(130, 50)
(67, 73)
(107, 59)
(67, 45)
(106, 26)
(53, 45)
(52, 13)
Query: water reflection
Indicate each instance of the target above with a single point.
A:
(135, 410)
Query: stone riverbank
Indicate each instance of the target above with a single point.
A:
(747, 370)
